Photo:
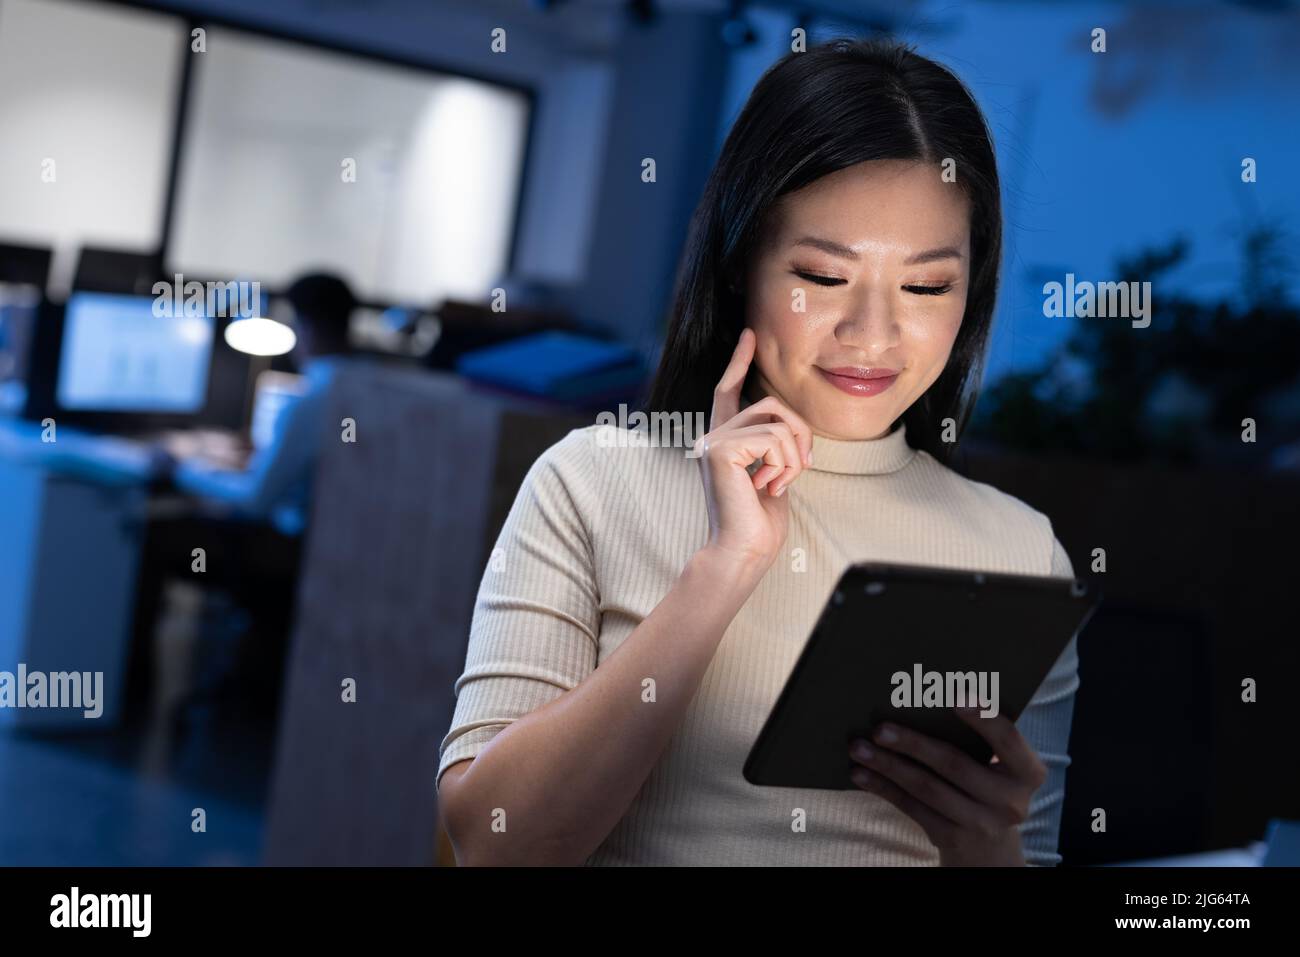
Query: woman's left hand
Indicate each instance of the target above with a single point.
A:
(970, 811)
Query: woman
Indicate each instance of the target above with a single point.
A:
(830, 319)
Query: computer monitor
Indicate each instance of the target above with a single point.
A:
(18, 305)
(272, 395)
(118, 356)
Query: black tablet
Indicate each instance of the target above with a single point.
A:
(906, 644)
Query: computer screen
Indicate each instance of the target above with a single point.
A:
(118, 356)
(272, 395)
(18, 305)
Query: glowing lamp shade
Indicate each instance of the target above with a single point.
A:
(259, 336)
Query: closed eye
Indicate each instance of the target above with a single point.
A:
(820, 280)
(832, 281)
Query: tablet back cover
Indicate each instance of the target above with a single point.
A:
(884, 626)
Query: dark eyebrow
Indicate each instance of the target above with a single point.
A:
(844, 252)
(933, 255)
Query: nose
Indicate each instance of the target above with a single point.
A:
(869, 324)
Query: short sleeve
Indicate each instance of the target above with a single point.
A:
(536, 623)
(1045, 724)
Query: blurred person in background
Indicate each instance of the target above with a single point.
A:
(249, 522)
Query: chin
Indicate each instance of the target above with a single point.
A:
(849, 417)
(851, 424)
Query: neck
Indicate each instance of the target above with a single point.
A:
(882, 454)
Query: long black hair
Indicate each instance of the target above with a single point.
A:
(810, 114)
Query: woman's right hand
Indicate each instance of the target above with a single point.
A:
(748, 516)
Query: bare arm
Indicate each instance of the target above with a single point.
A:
(566, 773)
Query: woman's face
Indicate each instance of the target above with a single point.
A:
(862, 272)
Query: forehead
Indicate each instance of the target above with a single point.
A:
(903, 202)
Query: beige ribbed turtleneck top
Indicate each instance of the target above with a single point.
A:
(599, 532)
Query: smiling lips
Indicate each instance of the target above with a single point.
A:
(859, 380)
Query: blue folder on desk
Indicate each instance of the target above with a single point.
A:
(555, 365)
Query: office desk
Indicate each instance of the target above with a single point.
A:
(71, 514)
(1249, 856)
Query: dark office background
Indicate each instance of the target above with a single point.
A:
(521, 171)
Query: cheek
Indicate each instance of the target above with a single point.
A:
(953, 325)
(769, 311)
(783, 334)
(770, 355)
(933, 334)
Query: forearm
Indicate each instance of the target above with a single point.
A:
(566, 773)
(229, 487)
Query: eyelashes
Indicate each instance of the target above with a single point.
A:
(832, 281)
(820, 280)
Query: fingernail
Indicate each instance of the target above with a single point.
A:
(779, 492)
(863, 751)
(886, 735)
(860, 776)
